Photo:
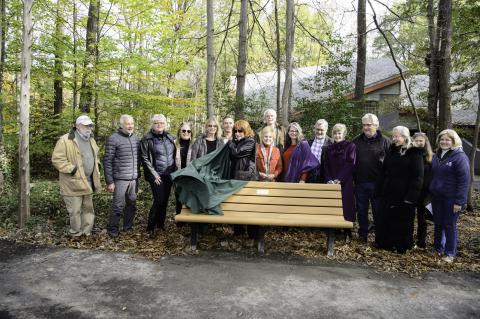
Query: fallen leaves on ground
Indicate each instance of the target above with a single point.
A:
(279, 242)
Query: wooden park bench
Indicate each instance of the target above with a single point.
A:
(277, 204)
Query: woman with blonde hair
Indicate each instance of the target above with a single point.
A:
(269, 162)
(340, 158)
(420, 140)
(402, 181)
(158, 159)
(449, 189)
(210, 141)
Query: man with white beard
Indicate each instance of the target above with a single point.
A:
(76, 158)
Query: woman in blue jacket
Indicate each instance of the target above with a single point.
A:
(449, 188)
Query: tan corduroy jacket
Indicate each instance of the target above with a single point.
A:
(66, 157)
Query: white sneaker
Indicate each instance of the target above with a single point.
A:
(448, 259)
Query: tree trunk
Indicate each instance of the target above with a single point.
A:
(278, 59)
(432, 63)
(58, 67)
(289, 42)
(3, 26)
(444, 105)
(23, 145)
(361, 51)
(75, 69)
(91, 49)
(210, 59)
(242, 60)
(473, 152)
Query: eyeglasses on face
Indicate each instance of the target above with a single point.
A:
(293, 131)
(186, 131)
(238, 131)
(211, 125)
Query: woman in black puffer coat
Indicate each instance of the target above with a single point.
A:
(242, 163)
(401, 184)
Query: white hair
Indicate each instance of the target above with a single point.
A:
(124, 118)
(158, 117)
(371, 118)
(269, 111)
(339, 127)
(322, 122)
(405, 132)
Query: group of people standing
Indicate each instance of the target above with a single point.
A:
(397, 177)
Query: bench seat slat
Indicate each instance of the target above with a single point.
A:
(273, 192)
(296, 186)
(285, 209)
(294, 201)
(272, 219)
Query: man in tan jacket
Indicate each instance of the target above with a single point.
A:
(76, 158)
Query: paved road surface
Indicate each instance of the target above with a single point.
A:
(67, 283)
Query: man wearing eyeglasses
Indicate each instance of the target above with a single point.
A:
(76, 158)
(121, 166)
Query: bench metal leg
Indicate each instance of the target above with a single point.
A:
(193, 236)
(261, 240)
(330, 242)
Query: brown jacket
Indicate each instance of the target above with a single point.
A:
(67, 159)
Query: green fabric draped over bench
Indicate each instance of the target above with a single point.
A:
(204, 183)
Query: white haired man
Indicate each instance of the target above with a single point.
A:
(121, 166)
(317, 146)
(76, 158)
(371, 148)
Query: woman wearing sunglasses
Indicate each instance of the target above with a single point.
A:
(208, 142)
(184, 153)
(242, 166)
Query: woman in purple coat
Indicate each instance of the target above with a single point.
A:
(298, 159)
(449, 188)
(339, 164)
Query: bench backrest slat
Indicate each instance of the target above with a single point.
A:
(293, 201)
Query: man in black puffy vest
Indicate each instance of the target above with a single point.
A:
(121, 165)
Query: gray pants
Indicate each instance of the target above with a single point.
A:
(124, 197)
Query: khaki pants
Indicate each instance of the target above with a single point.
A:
(80, 209)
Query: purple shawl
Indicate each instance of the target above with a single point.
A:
(302, 161)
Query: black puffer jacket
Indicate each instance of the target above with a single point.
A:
(370, 155)
(242, 157)
(122, 157)
(152, 166)
(402, 177)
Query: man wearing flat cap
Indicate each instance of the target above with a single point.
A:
(76, 158)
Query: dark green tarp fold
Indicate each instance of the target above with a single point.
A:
(205, 183)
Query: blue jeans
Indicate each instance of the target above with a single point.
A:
(364, 195)
(445, 221)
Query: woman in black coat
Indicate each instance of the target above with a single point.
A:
(242, 152)
(401, 184)
(242, 164)
(420, 140)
